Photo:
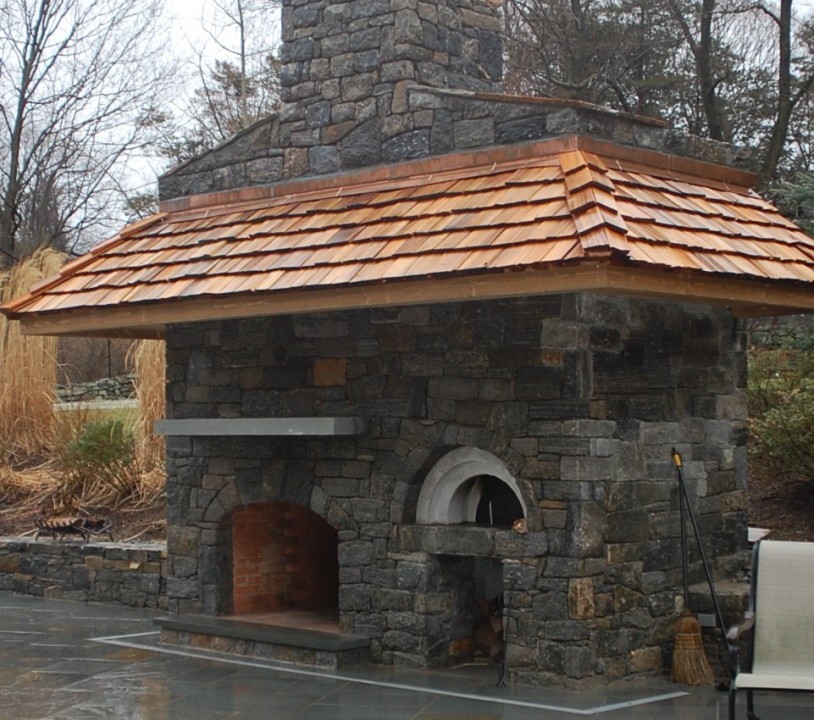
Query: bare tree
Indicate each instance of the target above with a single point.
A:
(795, 81)
(237, 88)
(739, 71)
(600, 51)
(79, 82)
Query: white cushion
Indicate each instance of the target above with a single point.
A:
(784, 621)
(766, 681)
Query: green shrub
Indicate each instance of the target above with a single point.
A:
(781, 408)
(97, 462)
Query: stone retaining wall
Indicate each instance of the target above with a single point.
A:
(113, 388)
(132, 575)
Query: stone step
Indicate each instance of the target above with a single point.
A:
(299, 646)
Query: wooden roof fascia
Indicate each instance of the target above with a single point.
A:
(745, 296)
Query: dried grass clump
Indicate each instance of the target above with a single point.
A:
(24, 489)
(84, 458)
(148, 360)
(27, 368)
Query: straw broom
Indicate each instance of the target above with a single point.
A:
(690, 663)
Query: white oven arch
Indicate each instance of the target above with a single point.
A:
(455, 485)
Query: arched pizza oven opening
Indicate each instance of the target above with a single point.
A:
(498, 506)
(469, 485)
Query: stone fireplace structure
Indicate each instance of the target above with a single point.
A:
(429, 348)
(562, 411)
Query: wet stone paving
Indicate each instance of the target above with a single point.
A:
(75, 661)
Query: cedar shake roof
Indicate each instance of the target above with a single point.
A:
(562, 215)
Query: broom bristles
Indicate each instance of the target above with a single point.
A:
(690, 664)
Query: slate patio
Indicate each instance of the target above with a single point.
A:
(67, 660)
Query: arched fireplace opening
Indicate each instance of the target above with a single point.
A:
(284, 565)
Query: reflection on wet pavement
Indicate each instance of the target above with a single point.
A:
(54, 666)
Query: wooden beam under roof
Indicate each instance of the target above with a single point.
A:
(745, 297)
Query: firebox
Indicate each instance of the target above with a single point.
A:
(284, 557)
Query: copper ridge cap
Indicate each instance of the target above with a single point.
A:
(541, 100)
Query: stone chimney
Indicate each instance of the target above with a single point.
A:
(372, 82)
(347, 67)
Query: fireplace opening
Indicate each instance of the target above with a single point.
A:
(284, 566)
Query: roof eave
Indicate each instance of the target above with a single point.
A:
(745, 297)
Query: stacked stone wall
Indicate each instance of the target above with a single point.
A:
(580, 397)
(112, 388)
(347, 68)
(367, 82)
(89, 572)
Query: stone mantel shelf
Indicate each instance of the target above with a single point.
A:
(264, 427)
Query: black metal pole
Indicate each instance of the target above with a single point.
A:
(503, 675)
(719, 616)
(685, 547)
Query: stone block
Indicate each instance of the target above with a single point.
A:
(585, 530)
(625, 599)
(518, 130)
(358, 553)
(342, 65)
(9, 565)
(393, 600)
(509, 419)
(182, 588)
(558, 445)
(579, 661)
(581, 605)
(354, 597)
(586, 468)
(324, 158)
(647, 659)
(509, 544)
(565, 631)
(330, 371)
(413, 144)
(473, 413)
(295, 162)
(548, 410)
(628, 526)
(401, 642)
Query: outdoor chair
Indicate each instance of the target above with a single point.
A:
(779, 624)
